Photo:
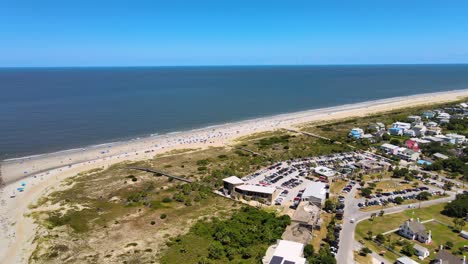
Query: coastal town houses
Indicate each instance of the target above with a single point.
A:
(379, 126)
(456, 139)
(414, 230)
(428, 114)
(389, 148)
(408, 154)
(356, 133)
(421, 251)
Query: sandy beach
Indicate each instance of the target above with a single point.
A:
(40, 173)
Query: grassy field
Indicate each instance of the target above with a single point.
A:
(441, 233)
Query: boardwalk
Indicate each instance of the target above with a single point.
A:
(159, 173)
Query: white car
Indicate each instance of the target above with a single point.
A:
(352, 220)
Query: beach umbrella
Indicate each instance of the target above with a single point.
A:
(23, 184)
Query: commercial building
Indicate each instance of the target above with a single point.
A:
(233, 185)
(324, 171)
(315, 193)
(231, 182)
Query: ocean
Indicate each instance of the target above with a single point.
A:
(50, 109)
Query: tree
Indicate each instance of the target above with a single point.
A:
(216, 250)
(458, 207)
(381, 213)
(423, 196)
(308, 251)
(449, 244)
(399, 200)
(395, 142)
(408, 249)
(329, 205)
(380, 238)
(369, 235)
(459, 223)
(366, 192)
(364, 251)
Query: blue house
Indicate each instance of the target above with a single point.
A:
(396, 131)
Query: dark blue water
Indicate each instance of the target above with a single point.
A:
(43, 110)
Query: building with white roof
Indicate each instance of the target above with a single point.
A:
(285, 252)
(324, 171)
(456, 139)
(230, 183)
(315, 193)
(401, 125)
(405, 260)
(389, 148)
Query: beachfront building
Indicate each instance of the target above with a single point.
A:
(389, 148)
(443, 116)
(254, 191)
(324, 171)
(409, 133)
(230, 183)
(372, 166)
(285, 252)
(356, 133)
(431, 124)
(456, 139)
(414, 230)
(421, 251)
(315, 193)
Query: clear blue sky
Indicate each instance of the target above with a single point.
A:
(230, 32)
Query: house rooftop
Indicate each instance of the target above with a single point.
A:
(288, 252)
(406, 260)
(315, 189)
(420, 248)
(233, 180)
(447, 257)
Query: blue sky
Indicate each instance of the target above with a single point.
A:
(237, 32)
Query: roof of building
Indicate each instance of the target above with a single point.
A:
(288, 252)
(389, 146)
(233, 180)
(416, 227)
(440, 155)
(315, 189)
(256, 189)
(447, 257)
(324, 171)
(420, 248)
(406, 260)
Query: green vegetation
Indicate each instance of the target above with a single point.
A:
(458, 207)
(242, 238)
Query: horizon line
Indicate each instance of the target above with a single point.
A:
(228, 65)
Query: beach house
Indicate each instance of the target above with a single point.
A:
(445, 257)
(396, 131)
(419, 130)
(421, 251)
(356, 133)
(414, 118)
(413, 145)
(379, 126)
(405, 260)
(414, 230)
(431, 124)
(234, 185)
(428, 114)
(433, 131)
(440, 156)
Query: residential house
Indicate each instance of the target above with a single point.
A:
(464, 234)
(389, 148)
(421, 251)
(402, 125)
(377, 126)
(414, 230)
(440, 156)
(409, 133)
(428, 114)
(456, 139)
(405, 260)
(285, 252)
(433, 131)
(356, 133)
(413, 118)
(431, 124)
(408, 154)
(419, 130)
(413, 145)
(444, 121)
(445, 257)
(396, 131)
(420, 141)
(443, 116)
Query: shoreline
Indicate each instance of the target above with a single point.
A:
(155, 135)
(44, 172)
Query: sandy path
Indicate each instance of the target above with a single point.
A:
(46, 171)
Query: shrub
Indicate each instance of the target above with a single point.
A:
(163, 216)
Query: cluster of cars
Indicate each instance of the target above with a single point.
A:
(281, 197)
(390, 197)
(334, 244)
(348, 187)
(291, 183)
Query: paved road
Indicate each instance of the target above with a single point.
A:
(348, 244)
